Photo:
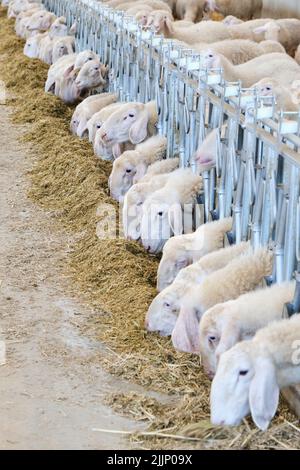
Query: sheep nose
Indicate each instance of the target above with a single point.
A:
(103, 136)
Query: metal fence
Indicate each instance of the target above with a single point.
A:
(257, 176)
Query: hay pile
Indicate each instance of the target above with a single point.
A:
(117, 276)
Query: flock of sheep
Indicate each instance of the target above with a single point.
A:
(210, 298)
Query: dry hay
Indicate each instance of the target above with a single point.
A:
(116, 276)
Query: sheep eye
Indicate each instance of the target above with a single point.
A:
(210, 56)
(98, 127)
(211, 339)
(90, 58)
(131, 115)
(166, 304)
(160, 213)
(128, 170)
(139, 203)
(268, 88)
(243, 372)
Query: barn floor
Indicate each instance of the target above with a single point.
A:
(56, 385)
(51, 387)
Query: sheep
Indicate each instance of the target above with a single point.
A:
(133, 122)
(101, 150)
(129, 168)
(22, 20)
(40, 21)
(183, 250)
(246, 30)
(98, 119)
(285, 31)
(250, 8)
(206, 31)
(164, 309)
(87, 108)
(18, 6)
(225, 324)
(32, 45)
(239, 51)
(62, 46)
(134, 199)
(169, 210)
(284, 98)
(238, 277)
(133, 202)
(76, 83)
(250, 375)
(47, 44)
(280, 66)
(62, 65)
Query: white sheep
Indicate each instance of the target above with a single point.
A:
(32, 46)
(239, 51)
(132, 165)
(183, 250)
(280, 66)
(75, 83)
(133, 122)
(238, 277)
(62, 46)
(87, 108)
(225, 324)
(65, 45)
(164, 309)
(205, 31)
(169, 211)
(98, 119)
(23, 18)
(284, 98)
(250, 375)
(285, 31)
(40, 21)
(247, 30)
(134, 199)
(101, 150)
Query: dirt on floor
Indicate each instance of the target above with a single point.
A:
(52, 388)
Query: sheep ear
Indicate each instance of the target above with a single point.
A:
(175, 217)
(116, 150)
(140, 172)
(260, 29)
(73, 29)
(68, 71)
(139, 130)
(169, 25)
(229, 337)
(185, 336)
(264, 393)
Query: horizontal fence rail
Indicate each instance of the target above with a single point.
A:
(257, 175)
